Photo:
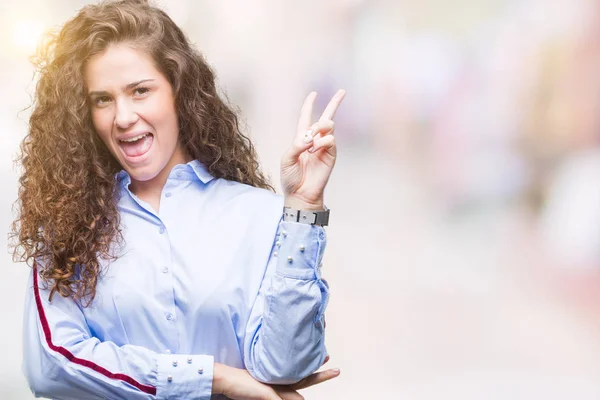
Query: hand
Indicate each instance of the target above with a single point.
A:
(307, 165)
(311, 380)
(238, 384)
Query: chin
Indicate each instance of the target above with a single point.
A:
(142, 173)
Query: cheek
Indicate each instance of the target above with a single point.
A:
(102, 124)
(165, 118)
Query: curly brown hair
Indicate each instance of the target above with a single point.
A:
(67, 205)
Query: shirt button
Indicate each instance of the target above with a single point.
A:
(161, 230)
(165, 270)
(169, 316)
(321, 235)
(168, 194)
(179, 174)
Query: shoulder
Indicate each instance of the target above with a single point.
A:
(247, 196)
(249, 208)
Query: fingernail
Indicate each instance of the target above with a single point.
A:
(308, 136)
(336, 370)
(312, 149)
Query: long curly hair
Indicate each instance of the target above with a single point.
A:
(67, 205)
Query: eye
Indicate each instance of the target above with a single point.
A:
(102, 100)
(140, 91)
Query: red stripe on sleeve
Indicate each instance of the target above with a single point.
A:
(86, 363)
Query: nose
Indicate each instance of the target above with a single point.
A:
(126, 115)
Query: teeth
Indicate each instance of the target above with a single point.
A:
(135, 138)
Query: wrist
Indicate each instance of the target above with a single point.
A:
(312, 217)
(219, 378)
(300, 204)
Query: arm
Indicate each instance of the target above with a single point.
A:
(284, 339)
(63, 360)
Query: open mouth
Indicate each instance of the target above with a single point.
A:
(137, 146)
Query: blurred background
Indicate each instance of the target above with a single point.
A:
(464, 246)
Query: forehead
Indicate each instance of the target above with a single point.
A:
(117, 66)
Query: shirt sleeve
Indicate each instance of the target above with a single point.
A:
(284, 339)
(62, 359)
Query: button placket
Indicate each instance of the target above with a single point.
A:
(164, 269)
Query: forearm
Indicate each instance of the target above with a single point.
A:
(63, 360)
(288, 344)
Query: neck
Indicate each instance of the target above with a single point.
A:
(152, 188)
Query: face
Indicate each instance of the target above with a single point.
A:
(133, 111)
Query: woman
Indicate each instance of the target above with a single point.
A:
(162, 266)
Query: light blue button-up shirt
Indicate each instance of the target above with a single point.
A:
(213, 276)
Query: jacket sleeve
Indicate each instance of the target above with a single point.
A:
(62, 360)
(284, 339)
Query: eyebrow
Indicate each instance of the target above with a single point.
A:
(127, 87)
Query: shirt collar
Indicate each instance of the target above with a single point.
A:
(193, 170)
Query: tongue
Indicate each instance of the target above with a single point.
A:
(137, 148)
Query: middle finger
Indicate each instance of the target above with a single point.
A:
(333, 105)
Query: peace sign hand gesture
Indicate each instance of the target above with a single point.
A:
(307, 165)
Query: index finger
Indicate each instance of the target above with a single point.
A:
(306, 112)
(315, 379)
(333, 105)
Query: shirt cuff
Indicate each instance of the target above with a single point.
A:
(299, 249)
(182, 376)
